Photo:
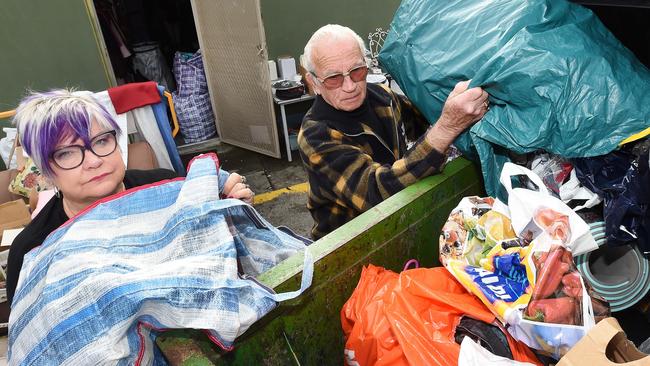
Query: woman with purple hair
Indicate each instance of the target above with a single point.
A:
(72, 140)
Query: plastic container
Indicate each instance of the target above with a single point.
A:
(620, 274)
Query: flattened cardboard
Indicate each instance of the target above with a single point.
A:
(7, 237)
(605, 344)
(13, 215)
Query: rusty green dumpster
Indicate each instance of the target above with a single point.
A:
(307, 330)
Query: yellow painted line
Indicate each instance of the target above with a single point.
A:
(270, 196)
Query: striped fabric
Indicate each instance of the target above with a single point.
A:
(192, 99)
(160, 257)
(351, 168)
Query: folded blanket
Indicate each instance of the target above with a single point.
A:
(160, 257)
(134, 95)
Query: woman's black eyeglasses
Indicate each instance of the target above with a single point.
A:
(70, 157)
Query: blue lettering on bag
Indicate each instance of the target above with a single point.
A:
(496, 287)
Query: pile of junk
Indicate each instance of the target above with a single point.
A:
(552, 265)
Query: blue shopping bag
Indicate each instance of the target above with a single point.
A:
(166, 256)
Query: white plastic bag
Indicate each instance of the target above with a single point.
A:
(554, 171)
(472, 354)
(573, 190)
(7, 145)
(524, 207)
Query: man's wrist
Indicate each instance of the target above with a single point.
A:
(440, 138)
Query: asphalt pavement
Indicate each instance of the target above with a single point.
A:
(280, 186)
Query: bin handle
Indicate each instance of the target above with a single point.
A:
(410, 262)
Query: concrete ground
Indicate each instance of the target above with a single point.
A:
(280, 186)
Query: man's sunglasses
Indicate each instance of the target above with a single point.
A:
(336, 80)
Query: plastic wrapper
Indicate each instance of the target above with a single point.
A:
(528, 282)
(553, 170)
(561, 180)
(622, 178)
(149, 61)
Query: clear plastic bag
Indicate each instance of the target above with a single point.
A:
(553, 170)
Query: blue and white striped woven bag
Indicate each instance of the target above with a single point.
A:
(160, 257)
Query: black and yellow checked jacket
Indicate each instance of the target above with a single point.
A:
(350, 167)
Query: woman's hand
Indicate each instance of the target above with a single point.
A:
(236, 187)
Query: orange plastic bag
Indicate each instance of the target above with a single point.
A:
(410, 318)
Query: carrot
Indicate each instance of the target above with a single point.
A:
(558, 311)
(541, 258)
(545, 217)
(556, 224)
(575, 292)
(572, 279)
(550, 275)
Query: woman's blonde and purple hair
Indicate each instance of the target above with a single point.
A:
(44, 119)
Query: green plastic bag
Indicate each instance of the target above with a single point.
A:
(558, 79)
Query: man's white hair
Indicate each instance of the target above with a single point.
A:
(329, 32)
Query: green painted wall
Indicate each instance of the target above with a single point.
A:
(46, 44)
(290, 23)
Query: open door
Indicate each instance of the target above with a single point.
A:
(233, 45)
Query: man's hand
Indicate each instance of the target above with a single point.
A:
(236, 187)
(462, 109)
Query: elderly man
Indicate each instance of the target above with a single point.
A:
(353, 140)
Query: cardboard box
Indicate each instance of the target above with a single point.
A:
(605, 344)
(13, 215)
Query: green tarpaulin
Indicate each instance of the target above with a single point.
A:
(558, 79)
